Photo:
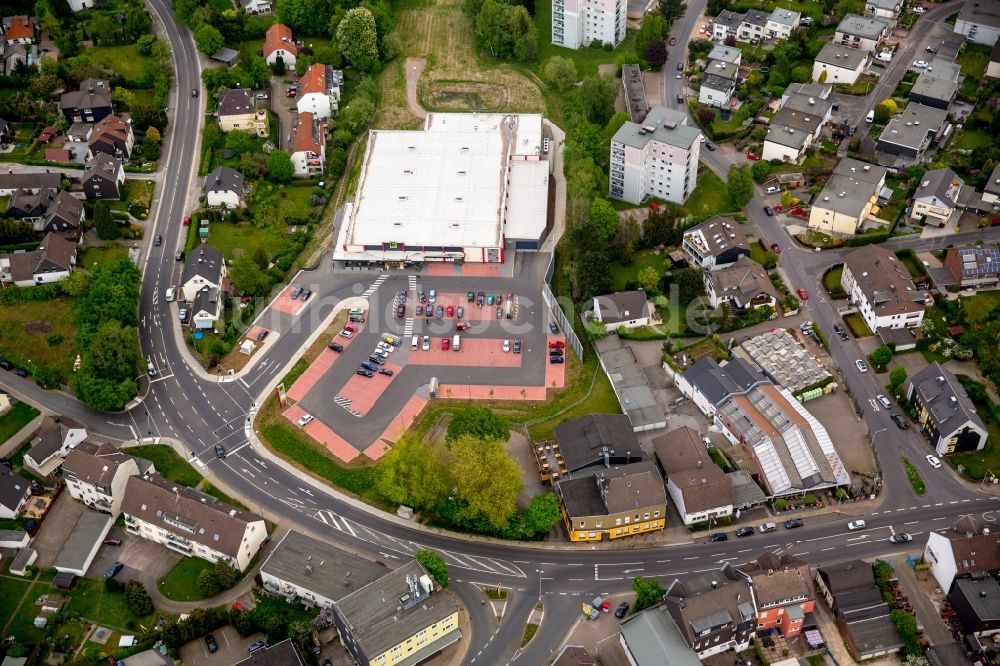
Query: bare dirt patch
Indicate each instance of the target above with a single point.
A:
(37, 327)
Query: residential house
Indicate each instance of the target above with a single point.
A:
(398, 619)
(715, 243)
(974, 267)
(576, 24)
(862, 32)
(52, 261)
(103, 177)
(31, 182)
(238, 111)
(314, 572)
(19, 30)
(936, 198)
(753, 26)
(320, 91)
(977, 603)
(190, 522)
(622, 309)
(979, 21)
(991, 191)
(91, 103)
(63, 217)
(848, 198)
(651, 638)
(257, 6)
(881, 287)
(15, 55)
(863, 617)
(279, 45)
(225, 187)
(945, 412)
(14, 493)
(5, 403)
(781, 23)
(206, 309)
(795, 127)
(279, 654)
(744, 284)
(887, 9)
(716, 90)
(726, 54)
(842, 64)
(605, 503)
(6, 132)
(30, 205)
(937, 85)
(726, 25)
(204, 267)
(912, 131)
(80, 5)
(783, 590)
(574, 655)
(993, 68)
(307, 145)
(658, 158)
(698, 487)
(113, 136)
(707, 383)
(57, 436)
(714, 611)
(588, 441)
(96, 474)
(965, 550)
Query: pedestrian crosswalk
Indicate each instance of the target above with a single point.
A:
(408, 328)
(375, 285)
(346, 404)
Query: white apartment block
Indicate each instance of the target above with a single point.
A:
(96, 475)
(190, 522)
(577, 23)
(881, 287)
(658, 158)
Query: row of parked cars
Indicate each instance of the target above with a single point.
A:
(7, 365)
(853, 526)
(557, 351)
(378, 357)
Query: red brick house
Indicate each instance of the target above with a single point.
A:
(783, 587)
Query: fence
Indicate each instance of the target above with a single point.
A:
(565, 323)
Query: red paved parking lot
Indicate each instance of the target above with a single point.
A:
(284, 302)
(403, 419)
(555, 373)
(323, 434)
(472, 311)
(475, 352)
(363, 392)
(316, 369)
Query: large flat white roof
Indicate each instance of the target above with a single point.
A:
(527, 198)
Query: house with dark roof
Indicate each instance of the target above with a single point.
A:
(225, 187)
(714, 611)
(708, 383)
(936, 197)
(238, 111)
(588, 441)
(320, 91)
(977, 603)
(726, 25)
(974, 267)
(279, 45)
(878, 283)
(651, 638)
(205, 267)
(783, 589)
(863, 32)
(716, 242)
(795, 126)
(88, 104)
(979, 21)
(716, 90)
(991, 191)
(607, 503)
(190, 522)
(113, 136)
(863, 617)
(398, 619)
(30, 205)
(206, 309)
(628, 309)
(57, 436)
(103, 178)
(938, 84)
(96, 475)
(29, 181)
(912, 131)
(887, 9)
(944, 411)
(14, 492)
(307, 144)
(51, 262)
(753, 26)
(63, 217)
(699, 488)
(574, 655)
(742, 285)
(965, 550)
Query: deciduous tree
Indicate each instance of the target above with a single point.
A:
(740, 185)
(357, 38)
(542, 513)
(487, 480)
(560, 72)
(656, 54)
(416, 473)
(897, 377)
(137, 599)
(597, 97)
(881, 356)
(208, 39)
(279, 167)
(671, 10)
(435, 566)
(604, 218)
(649, 278)
(479, 422)
(652, 29)
(648, 592)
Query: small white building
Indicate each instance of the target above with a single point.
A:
(96, 475)
(578, 23)
(320, 90)
(795, 127)
(279, 45)
(887, 9)
(206, 309)
(782, 23)
(701, 491)
(842, 64)
(964, 550)
(726, 25)
(225, 187)
(628, 309)
(936, 197)
(716, 90)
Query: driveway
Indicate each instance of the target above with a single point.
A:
(144, 560)
(283, 107)
(232, 648)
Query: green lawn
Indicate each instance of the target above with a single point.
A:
(22, 626)
(42, 332)
(972, 140)
(92, 602)
(909, 259)
(124, 60)
(19, 416)
(586, 59)
(831, 281)
(977, 463)
(973, 59)
(857, 325)
(168, 464)
(621, 275)
(98, 256)
(710, 197)
(181, 582)
(915, 480)
(12, 590)
(227, 237)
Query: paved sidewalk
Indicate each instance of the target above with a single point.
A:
(928, 618)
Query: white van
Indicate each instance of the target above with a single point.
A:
(150, 368)
(414, 343)
(871, 116)
(884, 56)
(170, 294)
(456, 343)
(768, 527)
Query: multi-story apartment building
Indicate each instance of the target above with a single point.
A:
(862, 32)
(714, 611)
(882, 289)
(96, 474)
(658, 158)
(847, 199)
(190, 522)
(783, 588)
(577, 23)
(974, 267)
(936, 197)
(944, 411)
(307, 145)
(610, 503)
(320, 90)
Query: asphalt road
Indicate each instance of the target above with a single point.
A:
(194, 412)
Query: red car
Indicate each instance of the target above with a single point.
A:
(351, 327)
(445, 344)
(461, 326)
(187, 221)
(291, 92)
(775, 248)
(557, 344)
(802, 294)
(450, 311)
(753, 156)
(112, 542)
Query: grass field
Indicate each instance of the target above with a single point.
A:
(226, 237)
(168, 464)
(92, 257)
(11, 592)
(710, 197)
(857, 325)
(19, 416)
(973, 59)
(972, 140)
(124, 60)
(42, 332)
(621, 275)
(23, 624)
(831, 282)
(181, 582)
(92, 602)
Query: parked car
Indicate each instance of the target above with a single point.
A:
(553, 329)
(445, 344)
(555, 352)
(306, 293)
(459, 312)
(680, 99)
(335, 346)
(186, 221)
(934, 461)
(295, 293)
(775, 248)
(210, 643)
(517, 345)
(793, 523)
(480, 299)
(257, 645)
(385, 371)
(262, 335)
(861, 365)
(439, 312)
(499, 312)
(489, 299)
(556, 344)
(433, 296)
(718, 536)
(768, 211)
(179, 256)
(710, 146)
(461, 326)
(220, 451)
(6, 365)
(919, 64)
(772, 189)
(365, 372)
(900, 421)
(680, 67)
(426, 343)
(744, 532)
(400, 296)
(753, 156)
(919, 10)
(883, 400)
(902, 537)
(304, 419)
(112, 542)
(621, 610)
(471, 296)
(113, 570)
(422, 297)
(856, 525)
(556, 359)
(346, 334)
(449, 311)
(803, 294)
(506, 345)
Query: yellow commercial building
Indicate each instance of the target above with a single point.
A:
(610, 503)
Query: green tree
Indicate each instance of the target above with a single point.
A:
(542, 513)
(593, 274)
(109, 365)
(247, 277)
(506, 31)
(137, 599)
(296, 14)
(760, 171)
(648, 592)
(560, 72)
(978, 309)
(479, 422)
(208, 39)
(208, 583)
(137, 20)
(671, 10)
(689, 283)
(435, 566)
(897, 377)
(881, 356)
(740, 185)
(416, 473)
(786, 199)
(649, 278)
(604, 218)
(242, 621)
(487, 480)
(105, 225)
(357, 38)
(226, 574)
(153, 134)
(597, 97)
(279, 167)
(652, 29)
(716, 7)
(276, 630)
(884, 110)
(629, 232)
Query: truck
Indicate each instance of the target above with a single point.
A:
(456, 342)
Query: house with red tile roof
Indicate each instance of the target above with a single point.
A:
(19, 30)
(278, 43)
(320, 89)
(307, 145)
